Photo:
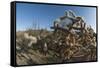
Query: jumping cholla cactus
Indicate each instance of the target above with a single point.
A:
(73, 31)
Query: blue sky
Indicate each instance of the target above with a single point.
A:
(28, 15)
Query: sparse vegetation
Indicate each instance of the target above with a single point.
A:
(75, 43)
